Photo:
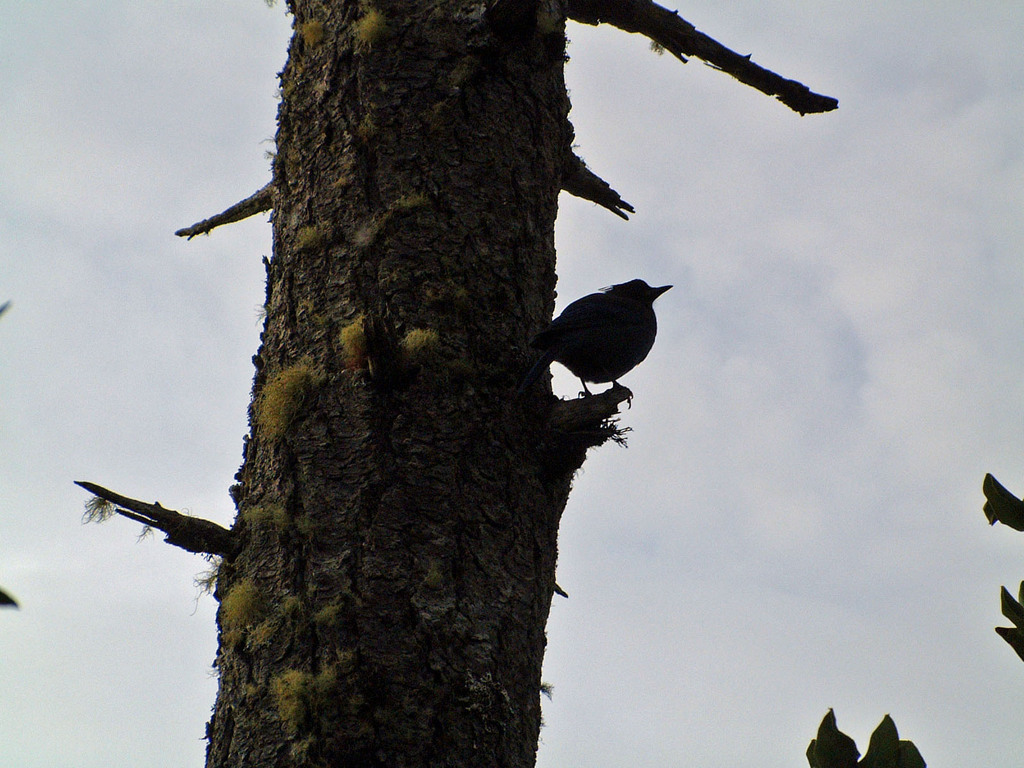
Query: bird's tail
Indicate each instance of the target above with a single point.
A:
(534, 373)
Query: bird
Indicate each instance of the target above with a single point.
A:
(600, 337)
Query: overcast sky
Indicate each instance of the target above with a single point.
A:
(796, 524)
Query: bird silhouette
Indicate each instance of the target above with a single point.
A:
(600, 337)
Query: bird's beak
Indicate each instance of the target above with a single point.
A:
(656, 292)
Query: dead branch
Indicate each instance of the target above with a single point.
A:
(680, 38)
(580, 424)
(582, 182)
(590, 414)
(191, 533)
(261, 201)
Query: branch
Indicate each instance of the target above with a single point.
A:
(261, 201)
(580, 424)
(589, 417)
(582, 182)
(191, 533)
(680, 38)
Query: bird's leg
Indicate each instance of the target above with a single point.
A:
(586, 392)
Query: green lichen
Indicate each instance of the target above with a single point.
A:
(312, 33)
(309, 239)
(261, 635)
(353, 343)
(305, 526)
(98, 510)
(271, 514)
(242, 606)
(420, 345)
(291, 607)
(206, 581)
(410, 201)
(282, 398)
(370, 29)
(328, 616)
(307, 310)
(301, 696)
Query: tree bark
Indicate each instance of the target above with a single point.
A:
(398, 506)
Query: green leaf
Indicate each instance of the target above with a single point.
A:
(832, 749)
(812, 754)
(1001, 505)
(1014, 637)
(1012, 610)
(884, 748)
(909, 756)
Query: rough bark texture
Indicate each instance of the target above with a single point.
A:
(398, 507)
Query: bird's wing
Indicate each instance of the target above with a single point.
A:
(594, 311)
(535, 372)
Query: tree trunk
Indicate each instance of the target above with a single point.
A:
(386, 583)
(385, 586)
(398, 506)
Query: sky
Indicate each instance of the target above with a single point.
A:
(796, 523)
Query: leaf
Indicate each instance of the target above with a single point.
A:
(909, 756)
(1012, 610)
(832, 748)
(884, 748)
(1001, 505)
(1014, 637)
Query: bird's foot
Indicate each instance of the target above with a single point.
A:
(629, 400)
